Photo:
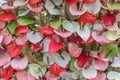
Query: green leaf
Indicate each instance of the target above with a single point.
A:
(25, 21)
(12, 26)
(113, 6)
(110, 51)
(56, 24)
(72, 67)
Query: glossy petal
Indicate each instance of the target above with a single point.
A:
(21, 29)
(54, 46)
(22, 40)
(7, 39)
(7, 16)
(34, 37)
(100, 65)
(113, 75)
(89, 73)
(23, 75)
(74, 50)
(74, 10)
(71, 2)
(19, 64)
(4, 59)
(32, 2)
(101, 76)
(51, 77)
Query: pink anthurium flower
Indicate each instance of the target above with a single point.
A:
(100, 76)
(83, 59)
(4, 59)
(74, 50)
(54, 46)
(23, 75)
(7, 39)
(7, 16)
(49, 76)
(2, 24)
(14, 50)
(19, 63)
(36, 9)
(22, 40)
(108, 20)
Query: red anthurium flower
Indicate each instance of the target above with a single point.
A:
(108, 20)
(56, 69)
(36, 47)
(21, 29)
(14, 50)
(70, 2)
(7, 16)
(6, 73)
(54, 46)
(83, 59)
(47, 30)
(87, 18)
(89, 1)
(32, 2)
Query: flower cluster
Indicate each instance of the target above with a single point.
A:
(59, 39)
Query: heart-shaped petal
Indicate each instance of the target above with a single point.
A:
(7, 39)
(20, 2)
(7, 16)
(89, 73)
(21, 29)
(2, 24)
(113, 75)
(34, 37)
(32, 2)
(93, 7)
(46, 30)
(56, 69)
(84, 33)
(115, 62)
(100, 38)
(19, 64)
(61, 59)
(54, 46)
(63, 34)
(74, 50)
(4, 59)
(74, 10)
(6, 73)
(36, 9)
(100, 65)
(23, 75)
(13, 50)
(50, 77)
(70, 26)
(71, 2)
(22, 40)
(101, 76)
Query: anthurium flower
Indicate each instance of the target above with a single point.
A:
(36, 9)
(108, 20)
(32, 2)
(19, 63)
(89, 1)
(113, 75)
(47, 30)
(71, 2)
(2, 24)
(83, 59)
(89, 72)
(36, 47)
(17, 3)
(87, 18)
(21, 29)
(74, 38)
(115, 62)
(7, 39)
(56, 69)
(100, 76)
(7, 16)
(4, 59)
(74, 50)
(36, 70)
(6, 73)
(54, 46)
(14, 50)
(49, 76)
(35, 37)
(23, 75)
